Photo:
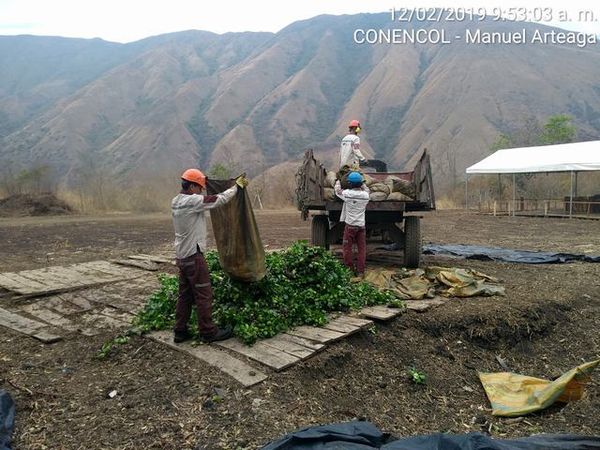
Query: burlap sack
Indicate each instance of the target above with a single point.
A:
(399, 197)
(241, 251)
(397, 184)
(330, 179)
(380, 187)
(377, 196)
(369, 180)
(329, 194)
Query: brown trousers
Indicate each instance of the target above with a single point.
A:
(355, 235)
(194, 288)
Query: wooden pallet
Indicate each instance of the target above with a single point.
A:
(237, 369)
(58, 279)
(21, 324)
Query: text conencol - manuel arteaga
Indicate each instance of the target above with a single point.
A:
(472, 36)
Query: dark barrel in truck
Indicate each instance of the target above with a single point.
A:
(387, 220)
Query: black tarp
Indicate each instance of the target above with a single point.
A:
(366, 436)
(241, 251)
(7, 420)
(505, 254)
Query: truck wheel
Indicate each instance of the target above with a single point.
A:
(320, 231)
(412, 244)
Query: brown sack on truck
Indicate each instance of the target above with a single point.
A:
(241, 251)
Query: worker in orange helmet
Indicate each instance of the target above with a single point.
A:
(188, 210)
(350, 154)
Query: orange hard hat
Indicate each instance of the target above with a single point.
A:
(194, 176)
(354, 123)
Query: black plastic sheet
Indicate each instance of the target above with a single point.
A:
(366, 436)
(505, 254)
(7, 420)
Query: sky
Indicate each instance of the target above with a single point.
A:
(131, 20)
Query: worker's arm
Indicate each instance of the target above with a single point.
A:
(356, 150)
(338, 190)
(366, 188)
(213, 201)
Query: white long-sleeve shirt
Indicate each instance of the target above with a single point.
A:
(355, 204)
(189, 219)
(350, 154)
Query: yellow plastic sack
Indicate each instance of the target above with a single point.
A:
(516, 395)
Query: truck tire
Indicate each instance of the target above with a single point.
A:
(412, 242)
(320, 231)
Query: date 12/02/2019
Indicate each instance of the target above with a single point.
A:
(497, 14)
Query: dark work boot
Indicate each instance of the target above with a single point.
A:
(220, 335)
(181, 336)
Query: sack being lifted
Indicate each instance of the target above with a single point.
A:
(241, 251)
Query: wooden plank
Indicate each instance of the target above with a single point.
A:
(77, 300)
(103, 321)
(423, 305)
(113, 300)
(47, 279)
(362, 323)
(118, 271)
(94, 275)
(301, 341)
(26, 326)
(60, 305)
(20, 284)
(140, 264)
(152, 258)
(69, 278)
(299, 351)
(38, 282)
(19, 323)
(341, 327)
(48, 316)
(101, 271)
(9, 283)
(118, 315)
(46, 337)
(316, 334)
(238, 370)
(380, 312)
(264, 354)
(57, 320)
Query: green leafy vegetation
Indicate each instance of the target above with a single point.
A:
(303, 283)
(109, 345)
(416, 376)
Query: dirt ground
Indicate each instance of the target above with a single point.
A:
(547, 324)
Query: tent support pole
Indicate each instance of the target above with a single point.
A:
(571, 199)
(467, 192)
(514, 200)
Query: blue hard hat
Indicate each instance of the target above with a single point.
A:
(355, 177)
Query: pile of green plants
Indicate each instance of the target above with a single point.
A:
(303, 283)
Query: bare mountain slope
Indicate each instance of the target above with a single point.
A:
(254, 100)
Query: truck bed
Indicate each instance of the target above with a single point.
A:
(311, 183)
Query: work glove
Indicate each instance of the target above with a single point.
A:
(242, 181)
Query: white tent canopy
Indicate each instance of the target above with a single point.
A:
(574, 157)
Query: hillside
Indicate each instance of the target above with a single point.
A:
(254, 100)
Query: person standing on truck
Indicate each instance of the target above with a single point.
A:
(188, 210)
(350, 154)
(353, 214)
